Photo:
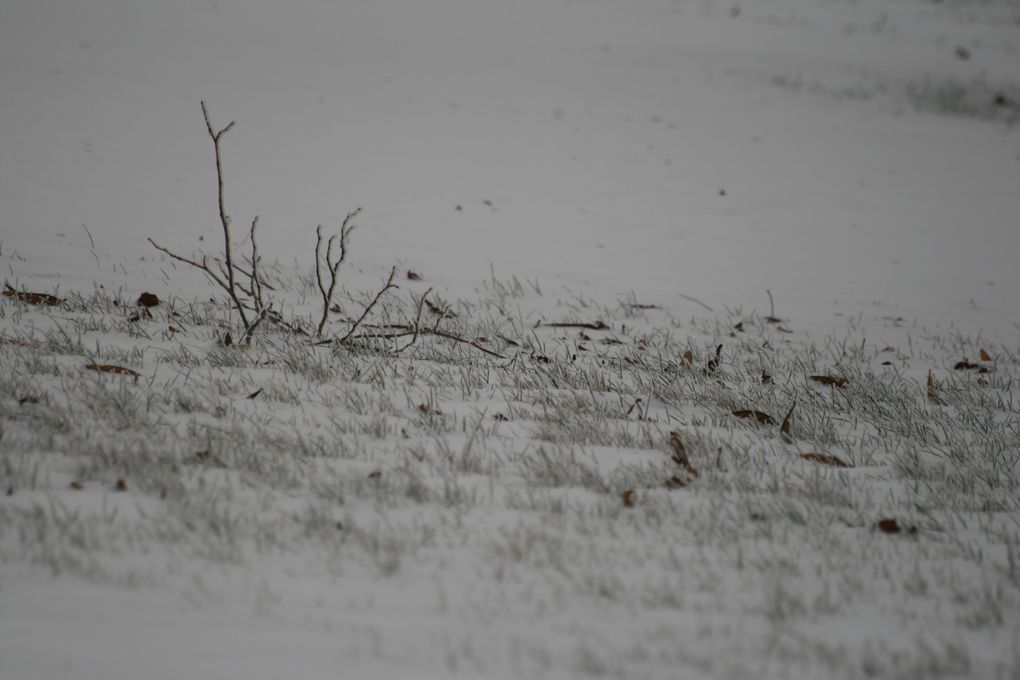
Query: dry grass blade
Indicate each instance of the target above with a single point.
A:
(829, 380)
(761, 417)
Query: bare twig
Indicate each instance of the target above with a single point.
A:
(332, 267)
(417, 322)
(368, 309)
(224, 218)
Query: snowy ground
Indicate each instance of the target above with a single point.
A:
(654, 166)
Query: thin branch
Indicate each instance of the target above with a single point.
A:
(333, 267)
(203, 265)
(224, 219)
(417, 322)
(368, 309)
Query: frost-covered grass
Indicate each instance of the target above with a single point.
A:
(532, 494)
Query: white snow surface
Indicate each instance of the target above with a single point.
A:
(840, 154)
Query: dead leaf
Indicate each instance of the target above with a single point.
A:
(933, 397)
(375, 474)
(675, 482)
(444, 312)
(426, 409)
(77, 486)
(984, 355)
(964, 365)
(773, 319)
(336, 309)
(679, 450)
(541, 358)
(500, 417)
(202, 455)
(739, 327)
(147, 300)
(784, 429)
(629, 498)
(825, 459)
(762, 418)
(121, 485)
(829, 380)
(255, 393)
(595, 326)
(611, 341)
(28, 400)
(766, 379)
(781, 329)
(413, 276)
(111, 368)
(891, 526)
(31, 298)
(689, 357)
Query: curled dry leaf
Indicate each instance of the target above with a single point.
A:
(77, 486)
(426, 409)
(680, 454)
(965, 365)
(984, 355)
(111, 368)
(31, 298)
(762, 418)
(629, 498)
(829, 380)
(413, 276)
(689, 357)
(891, 526)
(825, 459)
(147, 300)
(773, 319)
(121, 485)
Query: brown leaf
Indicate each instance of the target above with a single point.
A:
(413, 276)
(689, 357)
(933, 397)
(781, 329)
(766, 379)
(969, 365)
(763, 418)
(121, 485)
(825, 459)
(500, 417)
(679, 450)
(77, 486)
(675, 482)
(784, 429)
(629, 498)
(984, 355)
(829, 380)
(147, 300)
(426, 409)
(773, 319)
(31, 298)
(888, 526)
(336, 309)
(444, 312)
(739, 327)
(202, 455)
(595, 326)
(541, 358)
(111, 368)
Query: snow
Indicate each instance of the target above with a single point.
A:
(841, 157)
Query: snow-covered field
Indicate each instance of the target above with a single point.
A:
(715, 367)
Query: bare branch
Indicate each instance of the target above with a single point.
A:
(334, 267)
(368, 309)
(417, 322)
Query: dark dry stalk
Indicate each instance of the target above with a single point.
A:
(224, 218)
(334, 267)
(368, 309)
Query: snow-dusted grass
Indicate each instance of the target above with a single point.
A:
(532, 494)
